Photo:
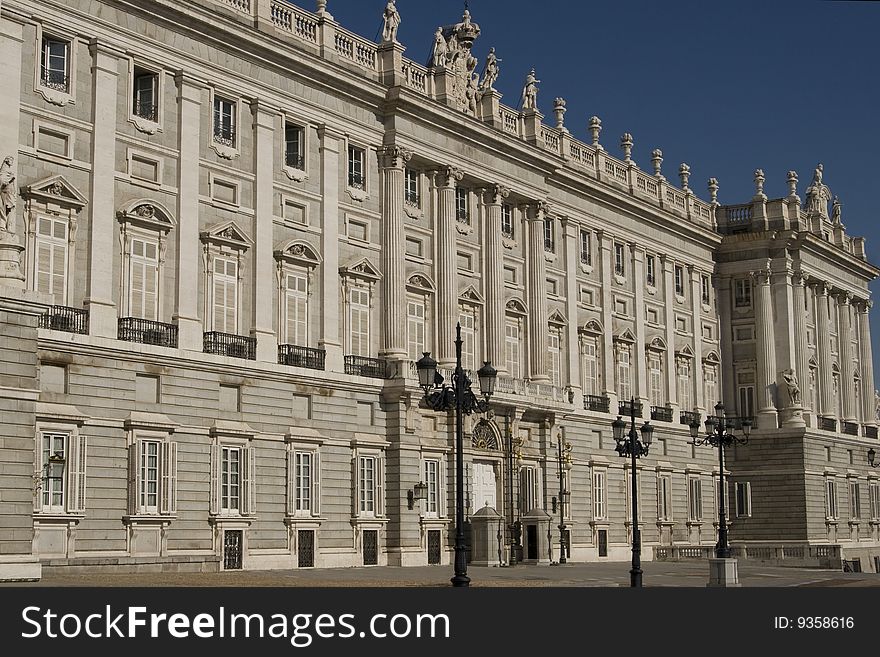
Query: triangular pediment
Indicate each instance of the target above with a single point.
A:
(55, 189)
(685, 351)
(470, 295)
(228, 234)
(362, 268)
(557, 318)
(626, 336)
(298, 252)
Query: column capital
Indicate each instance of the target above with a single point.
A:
(799, 278)
(821, 287)
(448, 176)
(326, 131)
(186, 79)
(394, 157)
(863, 305)
(761, 276)
(538, 210)
(496, 194)
(844, 298)
(264, 114)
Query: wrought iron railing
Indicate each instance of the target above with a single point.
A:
(849, 428)
(372, 368)
(869, 432)
(357, 181)
(146, 331)
(689, 417)
(307, 357)
(225, 135)
(227, 344)
(64, 318)
(598, 403)
(412, 199)
(57, 80)
(735, 422)
(661, 413)
(295, 160)
(462, 215)
(827, 424)
(147, 111)
(624, 408)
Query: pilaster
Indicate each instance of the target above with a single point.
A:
(766, 352)
(393, 159)
(447, 288)
(494, 272)
(640, 362)
(823, 340)
(330, 290)
(11, 248)
(604, 244)
(863, 309)
(572, 266)
(844, 355)
(697, 390)
(727, 381)
(667, 268)
(537, 292)
(801, 354)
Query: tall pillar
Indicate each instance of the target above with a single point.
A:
(640, 358)
(666, 267)
(537, 293)
(801, 363)
(186, 313)
(447, 283)
(11, 247)
(844, 355)
(697, 370)
(330, 340)
(823, 340)
(393, 159)
(102, 205)
(727, 379)
(605, 244)
(766, 351)
(494, 268)
(863, 308)
(572, 267)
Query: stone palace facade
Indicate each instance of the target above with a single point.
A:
(230, 227)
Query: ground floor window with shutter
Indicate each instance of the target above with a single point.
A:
(153, 476)
(304, 481)
(695, 499)
(599, 494)
(60, 473)
(233, 469)
(743, 491)
(369, 483)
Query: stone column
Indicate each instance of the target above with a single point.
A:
(572, 266)
(766, 351)
(801, 362)
(697, 370)
(265, 286)
(393, 159)
(666, 267)
(494, 259)
(604, 244)
(844, 355)
(102, 203)
(863, 308)
(727, 378)
(330, 340)
(823, 342)
(447, 280)
(640, 357)
(11, 247)
(186, 314)
(537, 293)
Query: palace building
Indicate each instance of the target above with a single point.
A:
(230, 228)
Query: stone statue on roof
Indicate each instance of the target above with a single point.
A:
(490, 71)
(530, 92)
(441, 49)
(392, 22)
(818, 194)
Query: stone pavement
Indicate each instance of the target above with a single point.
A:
(682, 574)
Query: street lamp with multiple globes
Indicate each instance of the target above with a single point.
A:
(458, 397)
(871, 456)
(563, 462)
(631, 446)
(718, 435)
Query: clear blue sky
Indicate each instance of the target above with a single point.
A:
(727, 87)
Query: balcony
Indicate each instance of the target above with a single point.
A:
(735, 422)
(625, 408)
(827, 424)
(226, 344)
(849, 428)
(412, 199)
(146, 111)
(225, 135)
(63, 318)
(295, 160)
(689, 417)
(869, 432)
(372, 368)
(661, 413)
(295, 356)
(357, 181)
(53, 79)
(598, 403)
(146, 331)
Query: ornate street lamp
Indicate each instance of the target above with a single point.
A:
(718, 435)
(871, 456)
(460, 397)
(563, 462)
(631, 446)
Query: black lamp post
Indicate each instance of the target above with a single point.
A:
(631, 446)
(718, 435)
(462, 399)
(563, 460)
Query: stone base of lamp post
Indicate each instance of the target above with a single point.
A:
(723, 573)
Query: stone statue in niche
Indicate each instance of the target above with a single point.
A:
(438, 58)
(530, 92)
(490, 71)
(791, 384)
(392, 22)
(7, 196)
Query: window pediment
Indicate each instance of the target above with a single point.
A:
(470, 295)
(657, 344)
(516, 306)
(299, 252)
(421, 283)
(711, 358)
(626, 336)
(592, 328)
(685, 352)
(227, 234)
(363, 269)
(148, 214)
(557, 319)
(55, 190)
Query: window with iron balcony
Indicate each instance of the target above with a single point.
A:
(462, 211)
(507, 221)
(619, 266)
(549, 245)
(586, 251)
(224, 121)
(356, 168)
(411, 194)
(55, 64)
(294, 154)
(145, 103)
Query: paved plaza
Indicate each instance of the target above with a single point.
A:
(682, 574)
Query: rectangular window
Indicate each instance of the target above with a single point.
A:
(599, 495)
(414, 247)
(684, 384)
(144, 279)
(357, 168)
(695, 499)
(145, 103)
(294, 146)
(855, 500)
(303, 476)
(432, 480)
(144, 168)
(742, 293)
(624, 383)
(549, 238)
(149, 487)
(50, 264)
(462, 212)
(510, 275)
(619, 263)
(874, 494)
(705, 288)
(224, 121)
(229, 398)
(153, 474)
(55, 64)
(411, 189)
(230, 479)
(655, 379)
(651, 270)
(591, 366)
(53, 470)
(367, 493)
(513, 348)
(464, 261)
(664, 497)
(296, 300)
(710, 381)
(552, 287)
(146, 389)
(555, 360)
(467, 319)
(415, 328)
(743, 499)
(358, 230)
(831, 499)
(746, 395)
(586, 250)
(359, 321)
(225, 297)
(507, 220)
(678, 274)
(528, 488)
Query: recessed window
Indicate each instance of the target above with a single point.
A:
(294, 146)
(357, 168)
(225, 192)
(549, 238)
(507, 221)
(144, 168)
(53, 142)
(414, 247)
(302, 407)
(678, 274)
(145, 101)
(744, 334)
(294, 212)
(705, 288)
(411, 194)
(53, 378)
(357, 230)
(620, 306)
(681, 325)
(619, 264)
(510, 275)
(55, 64)
(586, 248)
(224, 121)
(708, 332)
(365, 413)
(146, 389)
(586, 297)
(651, 270)
(742, 293)
(652, 316)
(462, 211)
(230, 398)
(551, 287)
(464, 261)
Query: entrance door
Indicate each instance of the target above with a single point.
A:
(371, 547)
(305, 548)
(484, 486)
(434, 547)
(232, 544)
(603, 542)
(532, 542)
